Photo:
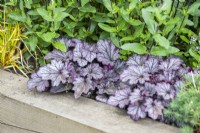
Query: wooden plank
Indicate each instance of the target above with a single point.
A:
(61, 113)
(11, 129)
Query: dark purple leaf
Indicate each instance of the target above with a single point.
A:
(149, 90)
(102, 98)
(170, 64)
(137, 110)
(73, 42)
(154, 108)
(136, 96)
(136, 60)
(82, 85)
(121, 98)
(93, 71)
(60, 88)
(152, 65)
(37, 83)
(109, 88)
(78, 55)
(89, 52)
(107, 52)
(57, 55)
(165, 90)
(135, 75)
(54, 72)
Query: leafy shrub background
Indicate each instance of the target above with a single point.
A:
(160, 27)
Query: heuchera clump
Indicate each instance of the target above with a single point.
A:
(144, 85)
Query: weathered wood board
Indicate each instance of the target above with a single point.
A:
(31, 112)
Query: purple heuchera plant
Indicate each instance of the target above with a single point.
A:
(144, 85)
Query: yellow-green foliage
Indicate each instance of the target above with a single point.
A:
(9, 45)
(10, 52)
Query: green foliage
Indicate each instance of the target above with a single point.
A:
(186, 107)
(157, 27)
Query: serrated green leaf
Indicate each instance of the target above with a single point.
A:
(44, 14)
(33, 42)
(107, 28)
(60, 46)
(134, 47)
(162, 41)
(48, 37)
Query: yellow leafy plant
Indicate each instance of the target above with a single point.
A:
(10, 51)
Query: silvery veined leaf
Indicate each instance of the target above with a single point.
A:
(136, 96)
(136, 60)
(72, 72)
(111, 75)
(57, 55)
(109, 88)
(137, 110)
(121, 98)
(78, 55)
(119, 66)
(73, 42)
(154, 108)
(168, 76)
(152, 65)
(165, 90)
(89, 52)
(60, 88)
(134, 75)
(54, 72)
(149, 89)
(93, 71)
(170, 64)
(37, 83)
(102, 98)
(107, 52)
(82, 85)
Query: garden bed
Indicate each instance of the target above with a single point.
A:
(24, 111)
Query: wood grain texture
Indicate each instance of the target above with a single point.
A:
(46, 113)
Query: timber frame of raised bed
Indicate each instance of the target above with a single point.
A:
(22, 111)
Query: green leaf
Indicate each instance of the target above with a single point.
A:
(88, 8)
(160, 51)
(83, 2)
(17, 17)
(107, 28)
(44, 14)
(148, 20)
(134, 47)
(166, 4)
(162, 41)
(33, 42)
(194, 7)
(60, 46)
(48, 37)
(108, 5)
(194, 54)
(127, 38)
(60, 17)
(184, 39)
(132, 4)
(114, 39)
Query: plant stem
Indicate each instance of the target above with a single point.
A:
(176, 9)
(171, 7)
